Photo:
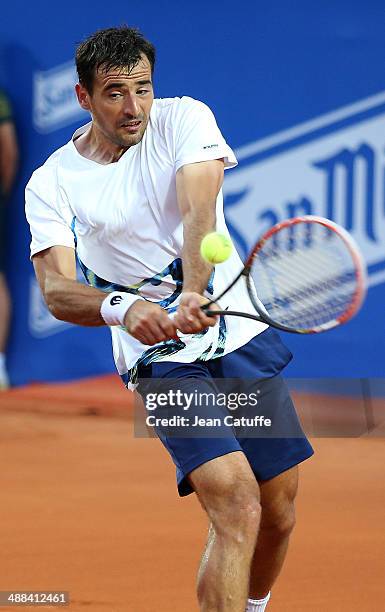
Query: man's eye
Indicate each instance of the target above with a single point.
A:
(141, 92)
(115, 95)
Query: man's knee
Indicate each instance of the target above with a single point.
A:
(278, 508)
(229, 492)
(279, 522)
(240, 514)
(239, 519)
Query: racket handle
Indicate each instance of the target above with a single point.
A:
(172, 315)
(209, 313)
(205, 307)
(233, 313)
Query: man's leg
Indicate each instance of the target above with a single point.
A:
(277, 522)
(228, 491)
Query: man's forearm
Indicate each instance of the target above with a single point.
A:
(196, 272)
(71, 301)
(197, 187)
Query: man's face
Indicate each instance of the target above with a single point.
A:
(120, 103)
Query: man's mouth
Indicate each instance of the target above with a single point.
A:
(131, 126)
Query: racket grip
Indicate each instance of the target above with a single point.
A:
(210, 313)
(172, 315)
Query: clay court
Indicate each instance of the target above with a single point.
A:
(88, 508)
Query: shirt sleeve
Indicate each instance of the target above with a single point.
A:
(48, 227)
(5, 108)
(198, 137)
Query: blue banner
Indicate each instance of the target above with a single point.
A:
(298, 92)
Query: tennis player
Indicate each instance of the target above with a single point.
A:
(131, 197)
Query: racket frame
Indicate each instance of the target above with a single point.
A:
(263, 316)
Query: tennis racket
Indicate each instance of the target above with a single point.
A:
(305, 275)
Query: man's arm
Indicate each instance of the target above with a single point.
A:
(197, 187)
(66, 298)
(9, 155)
(69, 300)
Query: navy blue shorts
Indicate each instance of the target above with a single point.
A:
(268, 454)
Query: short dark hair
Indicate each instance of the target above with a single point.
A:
(111, 48)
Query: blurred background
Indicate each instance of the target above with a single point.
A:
(298, 90)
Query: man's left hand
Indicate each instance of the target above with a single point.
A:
(190, 318)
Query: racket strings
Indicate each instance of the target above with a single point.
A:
(304, 276)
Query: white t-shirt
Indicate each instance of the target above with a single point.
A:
(124, 221)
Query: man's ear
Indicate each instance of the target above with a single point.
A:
(83, 97)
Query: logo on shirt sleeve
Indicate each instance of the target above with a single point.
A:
(212, 146)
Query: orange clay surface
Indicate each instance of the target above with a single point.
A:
(86, 507)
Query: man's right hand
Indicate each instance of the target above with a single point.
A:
(149, 323)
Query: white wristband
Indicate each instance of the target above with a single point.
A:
(115, 306)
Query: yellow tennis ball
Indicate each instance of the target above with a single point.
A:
(216, 248)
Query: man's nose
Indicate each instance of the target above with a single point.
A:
(131, 107)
